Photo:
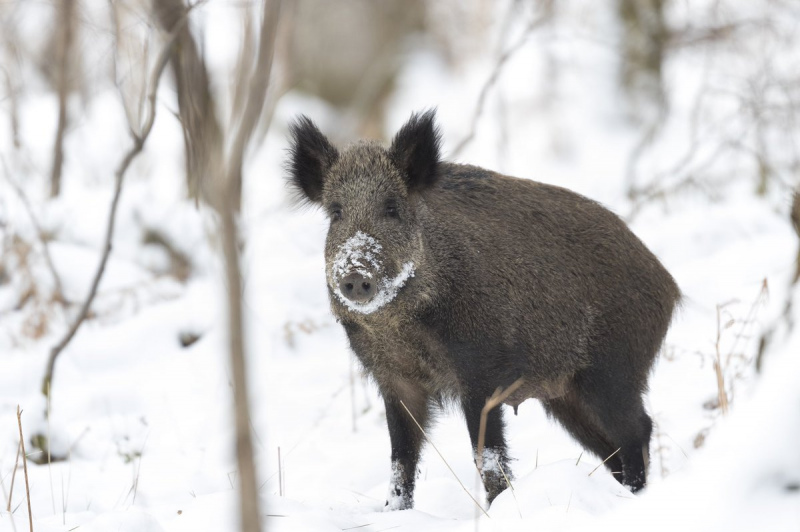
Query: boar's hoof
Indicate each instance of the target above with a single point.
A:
(358, 288)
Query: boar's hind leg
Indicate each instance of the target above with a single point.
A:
(580, 423)
(495, 455)
(406, 439)
(617, 407)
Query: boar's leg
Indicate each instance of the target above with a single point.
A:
(617, 407)
(495, 453)
(406, 439)
(569, 410)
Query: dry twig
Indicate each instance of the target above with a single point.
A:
(604, 461)
(428, 439)
(25, 467)
(13, 476)
(139, 138)
(721, 395)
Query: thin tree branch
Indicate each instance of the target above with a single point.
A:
(59, 291)
(13, 477)
(495, 75)
(202, 134)
(256, 95)
(139, 139)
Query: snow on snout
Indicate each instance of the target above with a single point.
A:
(361, 253)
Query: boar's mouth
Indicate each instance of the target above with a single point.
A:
(358, 262)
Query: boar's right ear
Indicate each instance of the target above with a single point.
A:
(310, 157)
(415, 150)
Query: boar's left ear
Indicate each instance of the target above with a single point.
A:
(310, 157)
(415, 150)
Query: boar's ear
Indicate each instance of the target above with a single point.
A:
(310, 157)
(415, 150)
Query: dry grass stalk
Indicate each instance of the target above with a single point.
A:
(721, 394)
(497, 397)
(510, 485)
(604, 461)
(13, 476)
(428, 439)
(25, 468)
(280, 473)
(139, 132)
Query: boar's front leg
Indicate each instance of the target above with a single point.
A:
(406, 440)
(495, 455)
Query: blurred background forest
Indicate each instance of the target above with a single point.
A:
(144, 220)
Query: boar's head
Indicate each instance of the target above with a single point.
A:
(371, 194)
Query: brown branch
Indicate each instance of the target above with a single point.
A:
(13, 108)
(495, 75)
(63, 52)
(59, 291)
(25, 468)
(139, 139)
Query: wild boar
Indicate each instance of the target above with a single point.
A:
(452, 281)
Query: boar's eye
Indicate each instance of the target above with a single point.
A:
(336, 212)
(391, 209)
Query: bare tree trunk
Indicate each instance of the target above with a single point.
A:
(256, 79)
(202, 133)
(248, 492)
(216, 177)
(66, 28)
(644, 37)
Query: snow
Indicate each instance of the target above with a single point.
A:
(395, 498)
(351, 255)
(361, 254)
(141, 426)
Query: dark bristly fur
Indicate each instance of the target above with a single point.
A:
(415, 150)
(512, 278)
(310, 158)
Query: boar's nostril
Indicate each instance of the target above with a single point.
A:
(356, 288)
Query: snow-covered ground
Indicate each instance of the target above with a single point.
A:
(142, 426)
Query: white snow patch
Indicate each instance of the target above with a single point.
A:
(360, 253)
(490, 462)
(394, 500)
(351, 256)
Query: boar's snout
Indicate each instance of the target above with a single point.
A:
(358, 288)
